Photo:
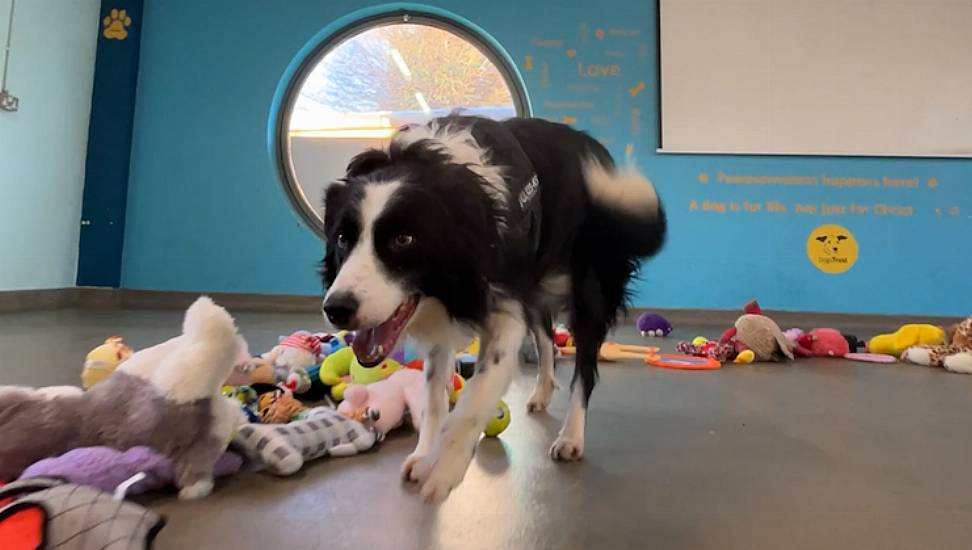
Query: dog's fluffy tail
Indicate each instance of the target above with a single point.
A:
(205, 355)
(632, 213)
(623, 190)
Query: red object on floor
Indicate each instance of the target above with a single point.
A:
(419, 364)
(416, 364)
(22, 529)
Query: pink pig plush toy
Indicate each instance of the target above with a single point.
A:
(383, 404)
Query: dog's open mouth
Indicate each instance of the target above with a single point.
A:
(371, 345)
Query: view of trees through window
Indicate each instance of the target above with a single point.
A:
(390, 74)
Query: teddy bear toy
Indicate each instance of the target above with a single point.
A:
(756, 338)
(104, 359)
(761, 335)
(956, 356)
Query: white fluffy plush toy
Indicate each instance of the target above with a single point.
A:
(166, 397)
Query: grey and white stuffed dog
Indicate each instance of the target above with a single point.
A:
(166, 397)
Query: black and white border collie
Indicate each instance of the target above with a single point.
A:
(471, 226)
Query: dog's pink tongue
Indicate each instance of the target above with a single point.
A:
(368, 345)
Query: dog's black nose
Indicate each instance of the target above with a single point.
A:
(340, 309)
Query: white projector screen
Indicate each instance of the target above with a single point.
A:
(846, 77)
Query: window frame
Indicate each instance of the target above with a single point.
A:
(312, 214)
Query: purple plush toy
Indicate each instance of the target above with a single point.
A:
(652, 324)
(105, 468)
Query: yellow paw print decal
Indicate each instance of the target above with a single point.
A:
(116, 25)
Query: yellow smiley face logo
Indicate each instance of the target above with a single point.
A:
(832, 249)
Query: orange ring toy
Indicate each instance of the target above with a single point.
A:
(684, 362)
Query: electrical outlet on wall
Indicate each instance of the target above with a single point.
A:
(8, 102)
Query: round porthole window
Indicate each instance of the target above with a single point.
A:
(358, 87)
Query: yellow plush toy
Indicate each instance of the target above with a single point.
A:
(102, 360)
(341, 368)
(473, 347)
(905, 337)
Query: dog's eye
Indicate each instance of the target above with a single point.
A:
(404, 240)
(342, 241)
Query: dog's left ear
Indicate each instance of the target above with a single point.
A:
(367, 162)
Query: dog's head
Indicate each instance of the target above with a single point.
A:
(831, 244)
(404, 226)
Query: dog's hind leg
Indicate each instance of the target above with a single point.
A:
(546, 383)
(598, 296)
(588, 320)
(446, 464)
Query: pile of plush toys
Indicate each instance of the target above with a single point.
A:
(306, 398)
(194, 367)
(304, 369)
(755, 338)
(273, 387)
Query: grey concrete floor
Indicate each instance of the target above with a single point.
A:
(818, 454)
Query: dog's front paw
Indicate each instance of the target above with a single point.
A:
(443, 476)
(411, 470)
(567, 449)
(195, 490)
(441, 481)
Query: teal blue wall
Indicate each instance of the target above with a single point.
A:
(206, 212)
(42, 146)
